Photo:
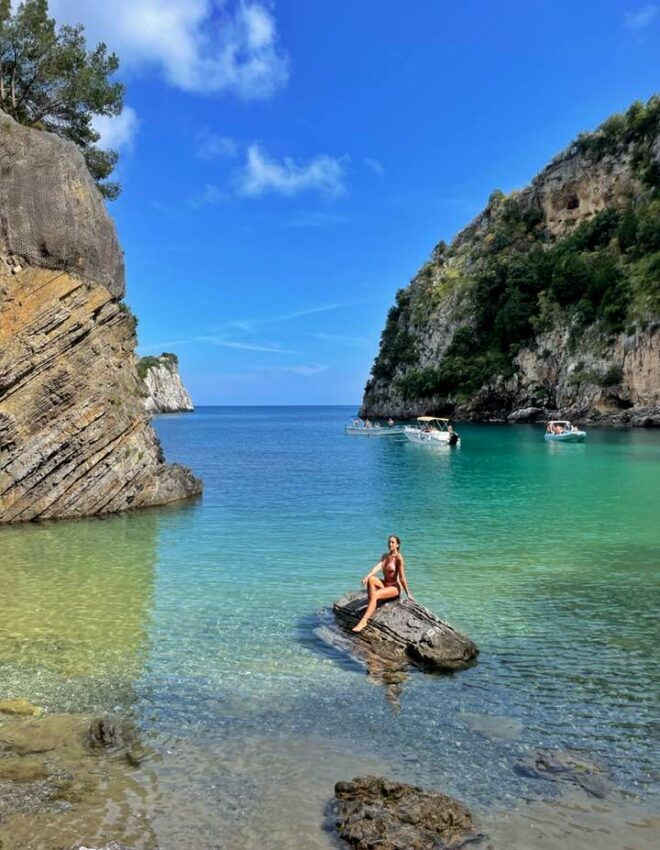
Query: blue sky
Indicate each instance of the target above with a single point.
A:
(287, 166)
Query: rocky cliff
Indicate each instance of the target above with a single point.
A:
(165, 390)
(548, 303)
(74, 437)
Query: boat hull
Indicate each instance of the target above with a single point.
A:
(570, 437)
(372, 432)
(415, 435)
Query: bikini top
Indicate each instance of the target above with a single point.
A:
(390, 568)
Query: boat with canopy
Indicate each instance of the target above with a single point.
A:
(432, 430)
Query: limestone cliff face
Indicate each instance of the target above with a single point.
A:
(74, 437)
(165, 390)
(494, 327)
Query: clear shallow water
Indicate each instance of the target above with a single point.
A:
(199, 619)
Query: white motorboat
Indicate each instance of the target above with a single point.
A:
(561, 431)
(359, 428)
(432, 430)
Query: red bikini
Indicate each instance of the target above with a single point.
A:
(391, 572)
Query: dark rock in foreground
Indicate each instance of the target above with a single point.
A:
(408, 630)
(567, 766)
(379, 814)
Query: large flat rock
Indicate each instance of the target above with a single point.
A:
(406, 629)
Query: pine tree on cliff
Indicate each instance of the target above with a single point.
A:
(49, 80)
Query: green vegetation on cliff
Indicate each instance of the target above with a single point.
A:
(512, 280)
(50, 81)
(150, 362)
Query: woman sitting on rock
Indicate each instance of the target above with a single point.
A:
(394, 580)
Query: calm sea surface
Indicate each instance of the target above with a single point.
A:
(202, 621)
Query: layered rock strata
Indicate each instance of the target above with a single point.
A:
(165, 390)
(74, 437)
(407, 630)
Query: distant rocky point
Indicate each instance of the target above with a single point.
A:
(75, 439)
(165, 390)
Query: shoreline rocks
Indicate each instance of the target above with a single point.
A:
(374, 813)
(407, 630)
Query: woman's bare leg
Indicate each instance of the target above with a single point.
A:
(376, 594)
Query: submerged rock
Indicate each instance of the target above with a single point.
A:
(59, 774)
(498, 729)
(567, 766)
(20, 707)
(379, 814)
(408, 630)
(114, 845)
(109, 733)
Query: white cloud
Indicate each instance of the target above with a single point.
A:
(243, 346)
(374, 165)
(198, 45)
(308, 371)
(212, 146)
(333, 338)
(117, 132)
(250, 325)
(212, 339)
(641, 18)
(209, 196)
(261, 174)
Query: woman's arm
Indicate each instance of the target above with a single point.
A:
(403, 581)
(372, 572)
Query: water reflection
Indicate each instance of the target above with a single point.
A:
(390, 673)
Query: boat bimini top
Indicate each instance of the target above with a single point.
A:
(428, 420)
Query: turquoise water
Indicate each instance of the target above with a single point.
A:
(202, 620)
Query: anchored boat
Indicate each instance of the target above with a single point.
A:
(561, 431)
(359, 428)
(432, 430)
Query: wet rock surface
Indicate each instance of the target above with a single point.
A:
(407, 630)
(566, 766)
(20, 707)
(380, 814)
